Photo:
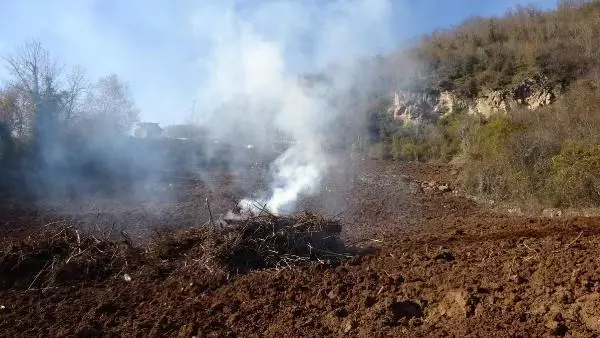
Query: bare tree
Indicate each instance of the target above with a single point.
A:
(73, 94)
(9, 111)
(109, 105)
(31, 67)
(40, 92)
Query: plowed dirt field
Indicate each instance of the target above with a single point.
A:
(434, 264)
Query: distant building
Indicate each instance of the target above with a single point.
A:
(184, 131)
(148, 130)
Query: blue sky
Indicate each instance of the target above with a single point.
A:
(165, 50)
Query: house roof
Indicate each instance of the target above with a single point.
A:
(149, 126)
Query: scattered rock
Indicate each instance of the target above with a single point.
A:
(349, 325)
(444, 188)
(552, 212)
(515, 211)
(232, 319)
(187, 330)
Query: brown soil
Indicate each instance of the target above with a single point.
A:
(440, 265)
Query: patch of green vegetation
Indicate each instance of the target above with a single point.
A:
(575, 174)
(551, 155)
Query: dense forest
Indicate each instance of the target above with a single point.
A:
(549, 156)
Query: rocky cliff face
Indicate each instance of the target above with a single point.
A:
(530, 94)
(414, 107)
(419, 107)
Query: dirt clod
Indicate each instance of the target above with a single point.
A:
(445, 256)
(406, 309)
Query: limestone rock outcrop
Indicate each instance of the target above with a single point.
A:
(418, 107)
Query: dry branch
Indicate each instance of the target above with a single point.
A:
(212, 220)
(570, 243)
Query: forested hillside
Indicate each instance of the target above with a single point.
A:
(496, 52)
(544, 156)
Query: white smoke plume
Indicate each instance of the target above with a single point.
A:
(252, 88)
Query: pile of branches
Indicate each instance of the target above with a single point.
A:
(268, 241)
(59, 254)
(257, 242)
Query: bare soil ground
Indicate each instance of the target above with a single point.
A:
(439, 265)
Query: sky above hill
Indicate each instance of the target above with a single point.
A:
(165, 49)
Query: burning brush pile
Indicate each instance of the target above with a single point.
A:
(255, 242)
(60, 254)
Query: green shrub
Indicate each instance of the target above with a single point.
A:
(454, 128)
(379, 151)
(575, 175)
(488, 165)
(410, 149)
(431, 142)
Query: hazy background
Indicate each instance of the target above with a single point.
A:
(164, 49)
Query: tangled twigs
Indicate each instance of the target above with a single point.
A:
(37, 276)
(258, 241)
(61, 255)
(570, 243)
(275, 241)
(531, 249)
(58, 254)
(127, 239)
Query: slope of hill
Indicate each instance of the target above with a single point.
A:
(510, 100)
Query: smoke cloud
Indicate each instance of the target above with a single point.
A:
(273, 78)
(252, 88)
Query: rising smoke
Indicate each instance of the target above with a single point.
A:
(269, 71)
(253, 82)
